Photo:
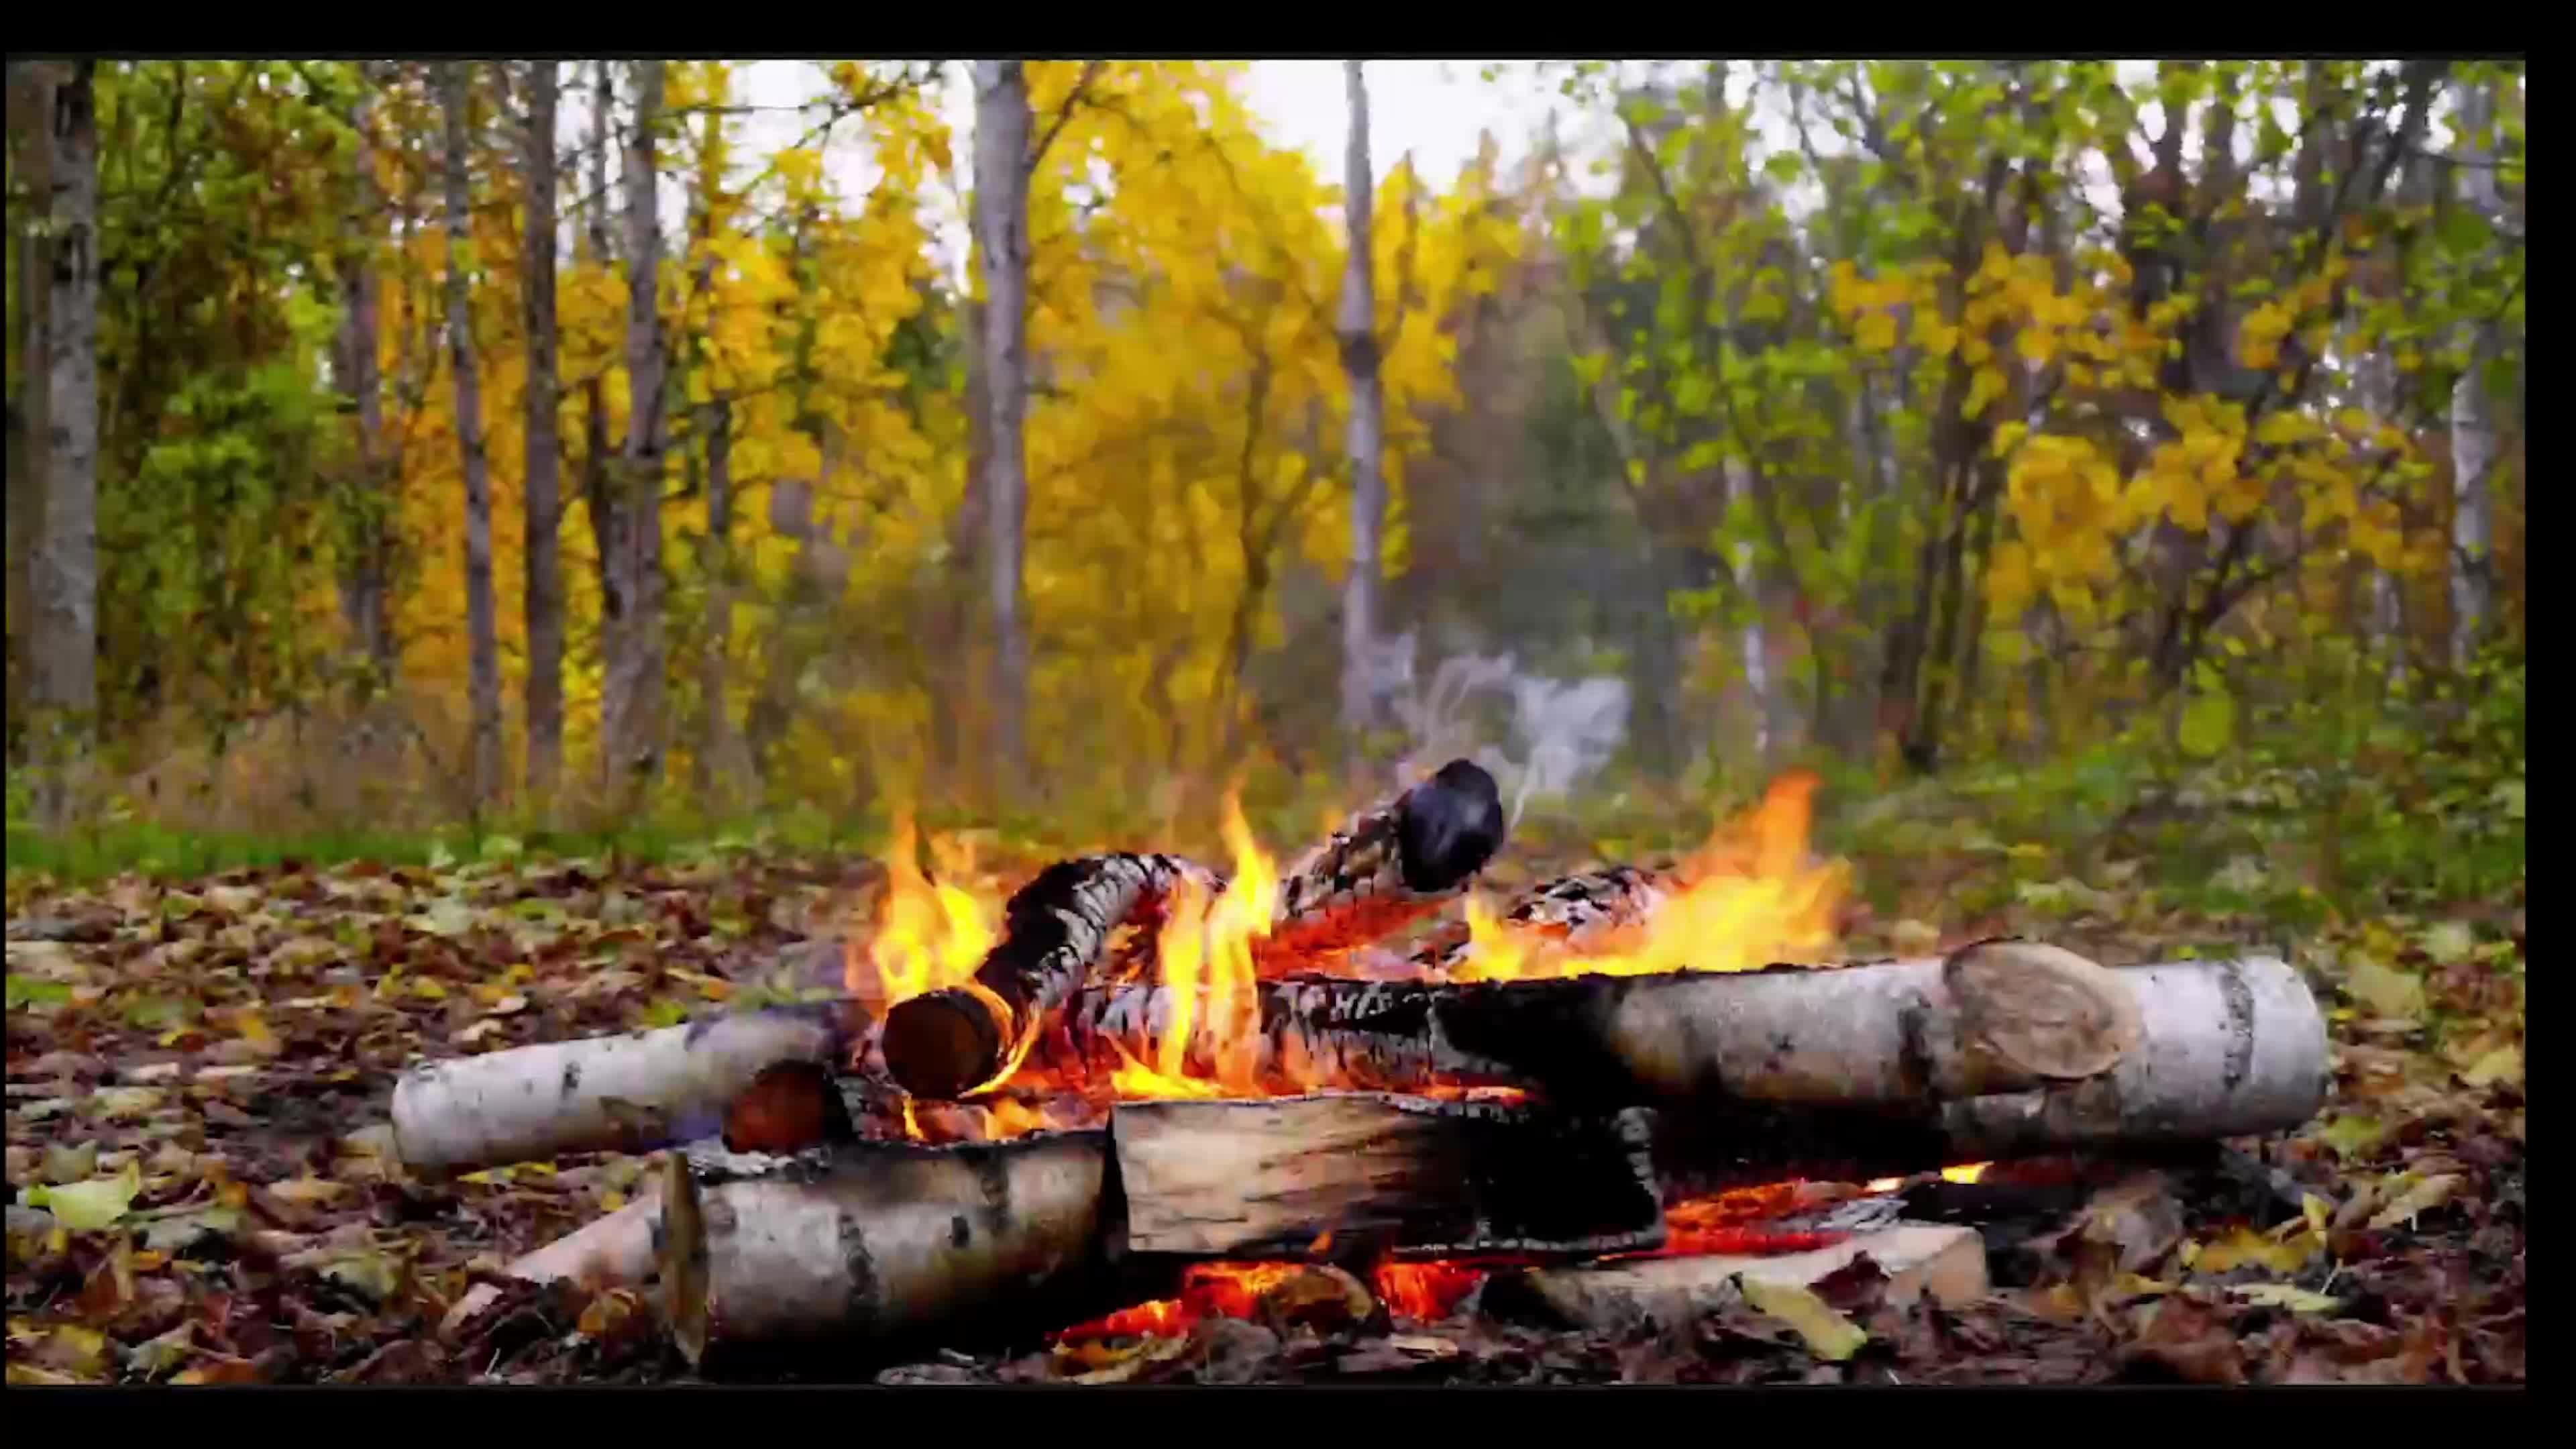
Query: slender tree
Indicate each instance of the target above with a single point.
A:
(632, 723)
(483, 688)
(543, 558)
(1367, 437)
(1002, 165)
(64, 572)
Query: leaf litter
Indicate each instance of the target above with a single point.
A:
(197, 1194)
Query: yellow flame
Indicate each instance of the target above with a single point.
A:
(1204, 954)
(927, 936)
(1747, 898)
(1968, 1172)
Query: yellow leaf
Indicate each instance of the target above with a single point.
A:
(1829, 1335)
(1984, 388)
(2244, 1246)
(2504, 1064)
(2285, 1295)
(2389, 993)
(89, 1206)
(2423, 1197)
(2008, 437)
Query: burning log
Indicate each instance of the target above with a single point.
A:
(876, 1243)
(1998, 1017)
(634, 1092)
(1576, 909)
(1417, 1179)
(1946, 1264)
(1387, 866)
(945, 1043)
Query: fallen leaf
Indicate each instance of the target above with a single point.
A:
(2352, 1135)
(2390, 993)
(2244, 1246)
(2285, 1295)
(2423, 1197)
(86, 1207)
(2448, 941)
(71, 1164)
(2504, 1064)
(1829, 1335)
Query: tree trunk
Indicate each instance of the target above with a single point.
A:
(1002, 140)
(63, 574)
(31, 149)
(483, 642)
(722, 765)
(631, 726)
(1367, 436)
(366, 603)
(544, 600)
(2473, 422)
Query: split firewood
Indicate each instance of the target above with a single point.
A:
(1919, 1260)
(1286, 1177)
(1388, 866)
(634, 1092)
(879, 1243)
(616, 1250)
(945, 1043)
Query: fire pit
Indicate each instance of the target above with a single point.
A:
(1627, 1093)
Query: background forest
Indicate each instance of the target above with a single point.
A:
(2039, 432)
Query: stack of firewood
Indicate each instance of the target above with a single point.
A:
(817, 1221)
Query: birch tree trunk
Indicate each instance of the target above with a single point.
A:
(483, 675)
(2473, 422)
(1002, 136)
(1366, 438)
(63, 573)
(365, 589)
(544, 596)
(720, 747)
(633, 697)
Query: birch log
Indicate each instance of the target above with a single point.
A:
(887, 1242)
(945, 1043)
(633, 1092)
(1386, 867)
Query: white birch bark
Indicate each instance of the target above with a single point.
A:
(63, 572)
(2473, 421)
(1002, 141)
(632, 698)
(1365, 441)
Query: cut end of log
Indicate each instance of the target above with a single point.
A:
(1449, 826)
(683, 1245)
(943, 1044)
(788, 1107)
(2044, 1010)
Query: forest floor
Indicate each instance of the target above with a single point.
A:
(193, 1196)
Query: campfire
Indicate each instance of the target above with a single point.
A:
(1356, 1086)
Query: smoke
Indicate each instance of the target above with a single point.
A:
(1560, 731)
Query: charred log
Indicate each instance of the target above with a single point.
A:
(1578, 910)
(1388, 866)
(945, 1043)
(1290, 1177)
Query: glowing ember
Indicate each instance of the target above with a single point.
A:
(927, 936)
(1425, 1292)
(1749, 897)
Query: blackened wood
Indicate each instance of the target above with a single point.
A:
(1294, 1176)
(1387, 866)
(943, 1044)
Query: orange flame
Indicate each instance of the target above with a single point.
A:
(1749, 897)
(927, 936)
(1204, 955)
(1424, 1292)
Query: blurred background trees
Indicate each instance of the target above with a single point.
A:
(524, 441)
